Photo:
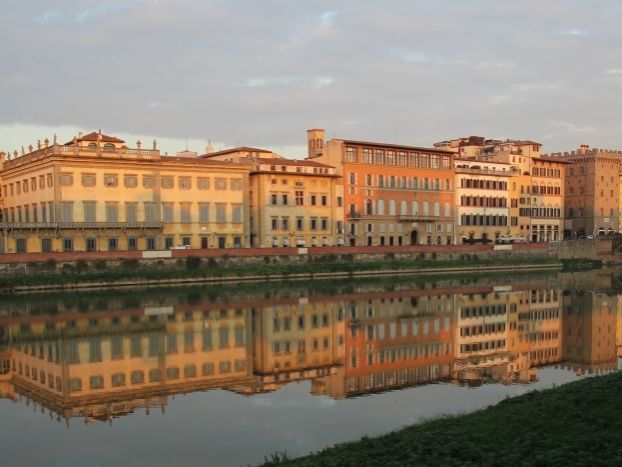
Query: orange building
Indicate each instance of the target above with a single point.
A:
(393, 195)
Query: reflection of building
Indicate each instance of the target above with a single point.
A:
(297, 341)
(590, 325)
(394, 195)
(111, 356)
(395, 340)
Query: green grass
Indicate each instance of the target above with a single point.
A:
(577, 424)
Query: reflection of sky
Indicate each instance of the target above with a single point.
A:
(221, 428)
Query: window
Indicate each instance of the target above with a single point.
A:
(314, 223)
(89, 211)
(424, 160)
(185, 183)
(111, 180)
(203, 212)
(221, 184)
(236, 184)
(148, 182)
(274, 199)
(351, 154)
(97, 382)
(66, 212)
(20, 245)
(112, 212)
(66, 179)
(149, 211)
(236, 213)
(185, 212)
(167, 212)
(88, 179)
(299, 198)
(186, 240)
(132, 243)
(221, 212)
(130, 181)
(313, 200)
(285, 200)
(203, 183)
(137, 377)
(112, 244)
(131, 212)
(324, 200)
(435, 161)
(166, 182)
(46, 245)
(299, 223)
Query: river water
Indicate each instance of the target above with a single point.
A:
(227, 375)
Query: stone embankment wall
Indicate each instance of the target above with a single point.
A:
(15, 263)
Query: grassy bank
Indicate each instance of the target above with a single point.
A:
(578, 424)
(195, 268)
(100, 274)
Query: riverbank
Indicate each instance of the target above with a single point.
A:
(191, 270)
(579, 424)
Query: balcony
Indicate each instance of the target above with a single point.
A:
(354, 215)
(79, 225)
(418, 218)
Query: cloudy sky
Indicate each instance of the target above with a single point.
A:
(259, 73)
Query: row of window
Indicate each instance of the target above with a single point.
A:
(149, 181)
(392, 181)
(156, 375)
(486, 201)
(544, 172)
(477, 219)
(483, 184)
(489, 328)
(283, 199)
(480, 346)
(540, 212)
(541, 189)
(183, 212)
(404, 208)
(397, 158)
(283, 223)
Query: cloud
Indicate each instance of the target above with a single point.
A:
(101, 9)
(315, 82)
(48, 17)
(573, 32)
(613, 71)
(327, 19)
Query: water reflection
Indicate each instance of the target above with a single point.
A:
(105, 357)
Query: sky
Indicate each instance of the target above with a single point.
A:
(260, 74)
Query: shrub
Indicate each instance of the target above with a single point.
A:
(266, 260)
(434, 255)
(50, 264)
(348, 257)
(389, 256)
(81, 265)
(100, 264)
(193, 262)
(212, 263)
(131, 264)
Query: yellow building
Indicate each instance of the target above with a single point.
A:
(96, 194)
(292, 202)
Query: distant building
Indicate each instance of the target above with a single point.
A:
(592, 191)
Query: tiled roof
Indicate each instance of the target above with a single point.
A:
(295, 162)
(234, 150)
(94, 135)
(396, 146)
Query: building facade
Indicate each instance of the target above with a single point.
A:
(96, 194)
(292, 202)
(592, 191)
(393, 195)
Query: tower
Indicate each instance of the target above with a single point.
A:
(315, 142)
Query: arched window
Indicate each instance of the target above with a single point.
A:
(437, 208)
(392, 208)
(380, 207)
(415, 208)
(447, 210)
(426, 208)
(404, 208)
(108, 147)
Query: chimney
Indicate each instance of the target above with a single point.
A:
(315, 142)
